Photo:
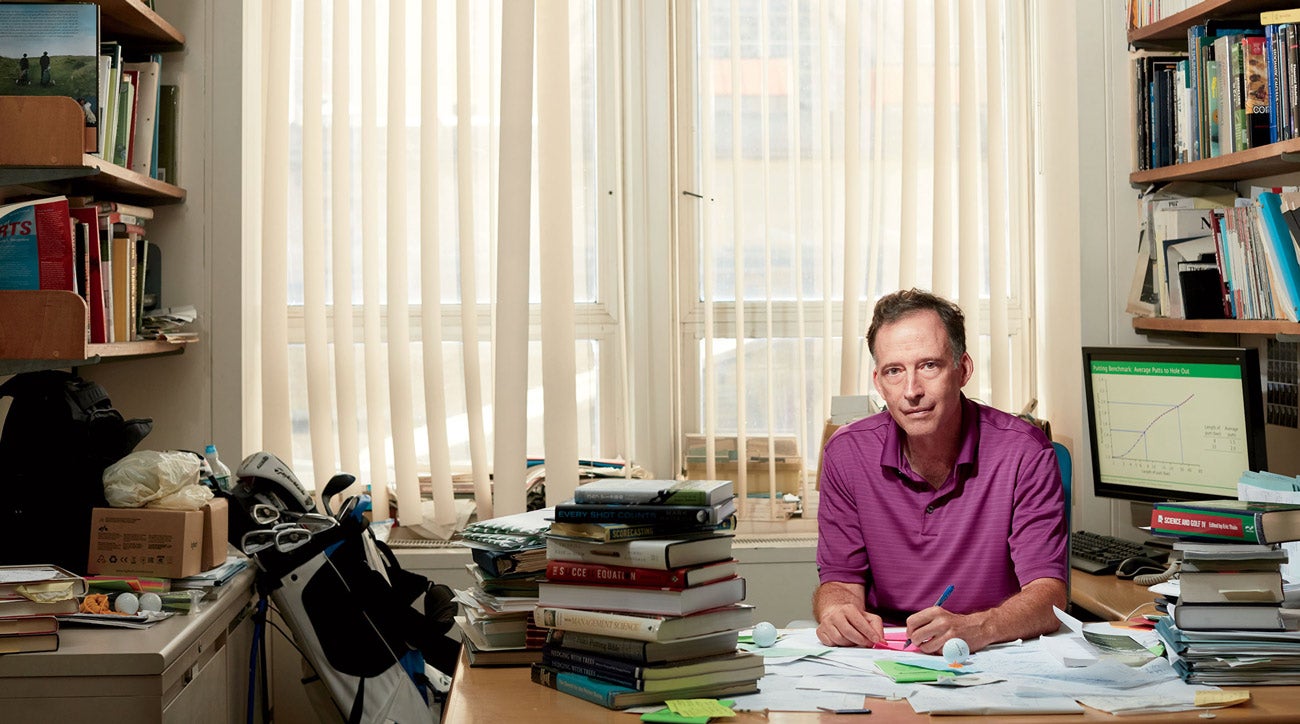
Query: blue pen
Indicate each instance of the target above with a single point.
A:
(942, 597)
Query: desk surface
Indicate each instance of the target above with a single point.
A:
(480, 694)
(1108, 597)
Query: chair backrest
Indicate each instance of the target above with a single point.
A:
(1067, 471)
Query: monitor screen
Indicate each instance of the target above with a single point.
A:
(1173, 423)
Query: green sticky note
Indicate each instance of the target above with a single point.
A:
(908, 674)
(691, 711)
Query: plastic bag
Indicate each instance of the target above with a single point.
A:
(148, 478)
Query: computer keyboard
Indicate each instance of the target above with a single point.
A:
(1097, 553)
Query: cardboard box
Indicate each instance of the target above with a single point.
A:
(216, 528)
(146, 542)
(789, 464)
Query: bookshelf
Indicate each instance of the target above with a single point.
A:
(1270, 160)
(41, 154)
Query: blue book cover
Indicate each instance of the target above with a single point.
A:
(36, 249)
(1283, 251)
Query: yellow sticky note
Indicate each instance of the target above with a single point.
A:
(698, 707)
(1221, 698)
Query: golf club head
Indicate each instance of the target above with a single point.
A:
(336, 485)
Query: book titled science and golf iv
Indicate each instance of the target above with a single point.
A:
(1229, 520)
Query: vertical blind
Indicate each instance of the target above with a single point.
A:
(447, 252)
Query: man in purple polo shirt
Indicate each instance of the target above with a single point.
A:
(939, 491)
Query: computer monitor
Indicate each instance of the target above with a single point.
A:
(1173, 423)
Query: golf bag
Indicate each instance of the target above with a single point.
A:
(350, 608)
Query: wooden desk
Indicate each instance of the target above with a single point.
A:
(508, 694)
(1108, 597)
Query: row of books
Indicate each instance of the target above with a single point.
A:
(96, 249)
(130, 113)
(31, 599)
(1219, 257)
(1233, 89)
(1229, 623)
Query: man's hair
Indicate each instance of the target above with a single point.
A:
(903, 303)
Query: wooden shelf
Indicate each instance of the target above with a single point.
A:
(42, 153)
(1172, 31)
(135, 22)
(1275, 158)
(47, 329)
(1215, 326)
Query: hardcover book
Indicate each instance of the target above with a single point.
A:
(20, 606)
(36, 249)
(676, 578)
(663, 492)
(1244, 617)
(645, 513)
(1234, 520)
(613, 696)
(26, 625)
(657, 553)
(727, 668)
(646, 652)
(662, 601)
(608, 532)
(29, 642)
(643, 627)
(1230, 586)
(52, 49)
(39, 579)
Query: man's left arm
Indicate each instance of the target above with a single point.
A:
(1024, 615)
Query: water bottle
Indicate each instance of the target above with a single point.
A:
(219, 469)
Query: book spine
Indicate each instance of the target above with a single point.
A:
(597, 573)
(1204, 524)
(592, 513)
(585, 687)
(617, 647)
(615, 672)
(637, 628)
(633, 497)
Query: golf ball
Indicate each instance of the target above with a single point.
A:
(127, 603)
(955, 651)
(150, 602)
(764, 634)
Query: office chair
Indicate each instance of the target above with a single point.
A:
(1067, 472)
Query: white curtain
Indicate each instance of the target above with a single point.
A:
(845, 150)
(446, 241)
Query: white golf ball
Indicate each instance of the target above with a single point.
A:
(764, 634)
(955, 651)
(127, 603)
(150, 602)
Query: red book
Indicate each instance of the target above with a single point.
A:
(89, 215)
(674, 578)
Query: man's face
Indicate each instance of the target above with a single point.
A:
(916, 375)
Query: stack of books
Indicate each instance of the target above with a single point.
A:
(642, 597)
(496, 616)
(1229, 624)
(30, 599)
